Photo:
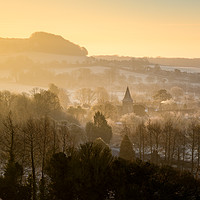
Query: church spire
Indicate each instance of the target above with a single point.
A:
(127, 97)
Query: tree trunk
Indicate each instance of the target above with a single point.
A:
(193, 144)
(143, 145)
(183, 158)
(169, 147)
(198, 153)
(166, 139)
(150, 141)
(34, 189)
(140, 142)
(173, 148)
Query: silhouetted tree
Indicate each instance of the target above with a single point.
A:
(99, 128)
(62, 175)
(141, 134)
(31, 131)
(46, 103)
(126, 149)
(95, 164)
(11, 186)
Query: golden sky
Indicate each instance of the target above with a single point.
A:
(169, 28)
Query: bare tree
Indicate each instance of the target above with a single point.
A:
(192, 136)
(31, 132)
(198, 147)
(150, 136)
(85, 96)
(167, 133)
(63, 136)
(155, 133)
(141, 134)
(10, 137)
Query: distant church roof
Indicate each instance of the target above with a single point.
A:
(127, 96)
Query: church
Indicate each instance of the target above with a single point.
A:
(127, 102)
(128, 106)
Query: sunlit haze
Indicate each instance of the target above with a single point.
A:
(124, 27)
(99, 99)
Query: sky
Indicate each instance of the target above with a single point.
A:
(167, 28)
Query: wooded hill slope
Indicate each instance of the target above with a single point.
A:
(41, 42)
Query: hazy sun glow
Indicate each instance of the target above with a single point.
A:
(125, 27)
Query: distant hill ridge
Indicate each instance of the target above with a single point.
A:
(181, 62)
(41, 42)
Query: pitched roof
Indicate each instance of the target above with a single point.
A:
(127, 96)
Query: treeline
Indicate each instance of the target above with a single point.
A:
(181, 62)
(46, 154)
(87, 72)
(91, 172)
(32, 128)
(171, 139)
(29, 145)
(23, 70)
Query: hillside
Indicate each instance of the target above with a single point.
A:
(41, 42)
(181, 62)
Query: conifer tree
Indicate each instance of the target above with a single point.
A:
(126, 149)
(99, 128)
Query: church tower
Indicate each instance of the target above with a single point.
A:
(127, 102)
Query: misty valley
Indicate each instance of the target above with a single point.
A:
(80, 127)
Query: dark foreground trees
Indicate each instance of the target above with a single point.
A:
(82, 174)
(91, 173)
(11, 186)
(139, 180)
